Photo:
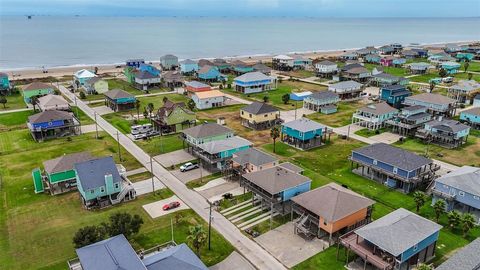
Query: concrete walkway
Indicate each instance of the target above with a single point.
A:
(233, 261)
(16, 110)
(237, 99)
(136, 171)
(89, 128)
(248, 248)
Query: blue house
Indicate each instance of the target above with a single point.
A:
(460, 189)
(304, 133)
(398, 241)
(372, 58)
(444, 132)
(240, 67)
(392, 166)
(450, 67)
(275, 187)
(394, 95)
(253, 82)
(471, 117)
(209, 73)
(215, 154)
(135, 63)
(409, 120)
(150, 69)
(465, 56)
(52, 124)
(188, 66)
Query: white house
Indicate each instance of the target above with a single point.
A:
(326, 68)
(82, 76)
(208, 99)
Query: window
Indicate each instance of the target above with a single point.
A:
(324, 222)
(92, 191)
(374, 162)
(415, 247)
(476, 197)
(266, 115)
(461, 193)
(250, 115)
(300, 134)
(242, 112)
(116, 185)
(102, 189)
(395, 170)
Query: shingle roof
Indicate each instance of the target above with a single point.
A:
(283, 57)
(473, 111)
(324, 95)
(332, 202)
(352, 65)
(48, 116)
(143, 74)
(209, 94)
(65, 162)
(91, 174)
(449, 125)
(172, 75)
(357, 70)
(378, 108)
(394, 156)
(180, 257)
(206, 130)
(259, 108)
(467, 258)
(218, 146)
(52, 100)
(205, 62)
(276, 179)
(345, 85)
(196, 84)
(253, 156)
(117, 93)
(114, 253)
(36, 86)
(303, 125)
(93, 80)
(326, 63)
(168, 56)
(292, 167)
(262, 68)
(467, 85)
(252, 76)
(432, 98)
(188, 62)
(466, 178)
(3, 75)
(398, 231)
(206, 69)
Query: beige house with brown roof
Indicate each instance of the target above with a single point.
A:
(209, 99)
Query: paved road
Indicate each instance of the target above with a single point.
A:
(248, 248)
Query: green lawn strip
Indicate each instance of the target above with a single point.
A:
(464, 76)
(396, 71)
(14, 120)
(14, 101)
(424, 78)
(161, 144)
(472, 66)
(326, 259)
(118, 121)
(265, 226)
(365, 132)
(82, 117)
(121, 84)
(200, 182)
(224, 204)
(281, 149)
(341, 118)
(140, 177)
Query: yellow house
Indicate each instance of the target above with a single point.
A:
(259, 115)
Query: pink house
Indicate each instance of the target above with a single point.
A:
(387, 61)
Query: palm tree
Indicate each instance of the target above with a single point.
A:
(285, 98)
(465, 66)
(137, 106)
(454, 219)
(150, 108)
(470, 76)
(274, 133)
(3, 100)
(420, 198)
(468, 222)
(165, 99)
(439, 208)
(197, 237)
(34, 102)
(442, 73)
(423, 266)
(432, 86)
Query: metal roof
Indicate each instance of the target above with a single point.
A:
(91, 174)
(275, 180)
(303, 125)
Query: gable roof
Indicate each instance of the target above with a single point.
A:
(168, 57)
(292, 167)
(357, 70)
(205, 62)
(114, 253)
(394, 156)
(180, 257)
(143, 74)
(449, 125)
(196, 84)
(206, 69)
(37, 86)
(332, 202)
(3, 75)
(253, 156)
(467, 85)
(168, 107)
(83, 73)
(252, 76)
(473, 111)
(324, 95)
(65, 162)
(209, 94)
(466, 258)
(345, 85)
(262, 68)
(188, 62)
(218, 146)
(259, 108)
(91, 174)
(93, 80)
(52, 100)
(172, 75)
(398, 231)
(117, 93)
(378, 108)
(432, 98)
(303, 125)
(276, 179)
(206, 130)
(48, 116)
(326, 63)
(466, 178)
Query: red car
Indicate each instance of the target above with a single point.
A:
(171, 205)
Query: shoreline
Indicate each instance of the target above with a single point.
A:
(68, 70)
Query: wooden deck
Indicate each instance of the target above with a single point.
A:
(366, 252)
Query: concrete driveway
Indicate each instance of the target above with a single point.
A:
(386, 137)
(186, 177)
(155, 209)
(174, 158)
(145, 186)
(233, 261)
(289, 248)
(288, 116)
(101, 110)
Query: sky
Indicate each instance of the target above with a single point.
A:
(263, 8)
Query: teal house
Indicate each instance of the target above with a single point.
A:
(372, 58)
(102, 183)
(4, 82)
(450, 67)
(240, 67)
(303, 133)
(209, 73)
(215, 154)
(188, 66)
(465, 56)
(472, 117)
(204, 133)
(394, 95)
(119, 100)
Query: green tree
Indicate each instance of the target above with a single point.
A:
(423, 266)
(468, 221)
(197, 237)
(165, 99)
(265, 99)
(137, 107)
(145, 112)
(439, 208)
(465, 66)
(420, 198)
(82, 95)
(286, 98)
(432, 86)
(3, 100)
(274, 134)
(191, 104)
(88, 235)
(470, 76)
(34, 102)
(442, 73)
(150, 108)
(123, 223)
(454, 218)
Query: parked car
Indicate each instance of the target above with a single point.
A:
(447, 79)
(139, 129)
(188, 166)
(139, 136)
(171, 205)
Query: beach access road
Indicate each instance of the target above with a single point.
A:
(248, 248)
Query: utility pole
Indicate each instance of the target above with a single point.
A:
(209, 224)
(118, 144)
(153, 177)
(96, 125)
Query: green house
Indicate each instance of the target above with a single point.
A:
(59, 174)
(129, 73)
(36, 89)
(173, 118)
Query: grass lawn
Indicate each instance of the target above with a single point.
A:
(468, 154)
(326, 259)
(158, 100)
(341, 118)
(396, 71)
(464, 76)
(32, 225)
(424, 78)
(161, 144)
(140, 177)
(14, 101)
(200, 182)
(473, 66)
(15, 120)
(365, 132)
(84, 119)
(118, 120)
(299, 73)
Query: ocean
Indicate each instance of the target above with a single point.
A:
(64, 41)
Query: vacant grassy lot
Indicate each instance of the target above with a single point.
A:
(14, 101)
(15, 120)
(396, 71)
(36, 230)
(464, 76)
(341, 118)
(365, 132)
(161, 144)
(121, 84)
(299, 73)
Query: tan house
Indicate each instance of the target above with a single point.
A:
(252, 160)
(53, 102)
(259, 115)
(96, 85)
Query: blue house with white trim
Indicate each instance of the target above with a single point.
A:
(460, 189)
(135, 63)
(471, 117)
(215, 154)
(304, 133)
(398, 241)
(392, 166)
(394, 95)
(448, 133)
(253, 82)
